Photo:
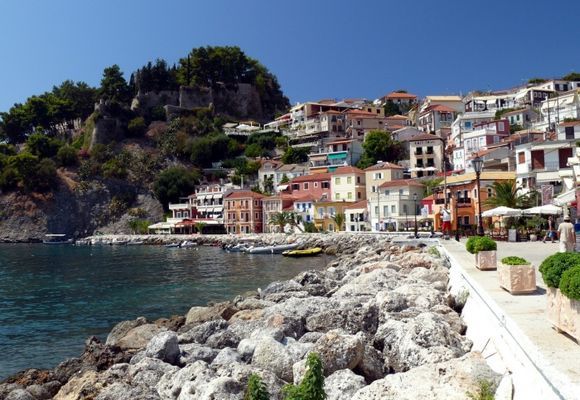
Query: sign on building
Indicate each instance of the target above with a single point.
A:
(547, 194)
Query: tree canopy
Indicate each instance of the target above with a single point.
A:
(173, 183)
(114, 87)
(379, 145)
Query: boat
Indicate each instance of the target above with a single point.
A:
(172, 245)
(314, 251)
(272, 249)
(57, 238)
(186, 244)
(236, 248)
(118, 242)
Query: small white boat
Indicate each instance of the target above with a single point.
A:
(57, 238)
(187, 243)
(118, 242)
(172, 245)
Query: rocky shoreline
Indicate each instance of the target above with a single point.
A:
(380, 317)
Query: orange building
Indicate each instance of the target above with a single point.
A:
(243, 212)
(462, 197)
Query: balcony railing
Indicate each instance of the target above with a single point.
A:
(547, 167)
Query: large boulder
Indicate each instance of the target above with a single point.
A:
(451, 380)
(200, 333)
(183, 383)
(148, 371)
(343, 384)
(122, 328)
(412, 342)
(165, 347)
(193, 352)
(339, 350)
(272, 355)
(79, 387)
(138, 337)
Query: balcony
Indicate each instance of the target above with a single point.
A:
(179, 206)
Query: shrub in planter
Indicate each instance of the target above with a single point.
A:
(570, 283)
(555, 265)
(516, 275)
(514, 260)
(484, 249)
(562, 271)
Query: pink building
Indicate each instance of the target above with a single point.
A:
(316, 185)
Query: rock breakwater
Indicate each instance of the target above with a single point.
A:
(379, 316)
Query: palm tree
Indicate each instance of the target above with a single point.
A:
(339, 220)
(279, 219)
(506, 194)
(199, 226)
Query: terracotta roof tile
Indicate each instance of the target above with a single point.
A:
(401, 182)
(397, 95)
(347, 170)
(383, 165)
(359, 204)
(242, 194)
(313, 177)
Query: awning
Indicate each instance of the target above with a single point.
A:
(565, 198)
(337, 156)
(282, 187)
(161, 225)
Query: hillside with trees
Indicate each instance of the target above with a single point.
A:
(117, 153)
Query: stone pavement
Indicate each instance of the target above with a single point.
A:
(555, 356)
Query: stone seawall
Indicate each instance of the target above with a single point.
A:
(380, 317)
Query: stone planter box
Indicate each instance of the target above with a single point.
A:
(517, 279)
(564, 313)
(486, 260)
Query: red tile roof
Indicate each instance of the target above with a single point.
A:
(244, 194)
(362, 113)
(401, 182)
(397, 95)
(359, 204)
(383, 165)
(306, 197)
(313, 177)
(347, 170)
(425, 136)
(570, 123)
(397, 117)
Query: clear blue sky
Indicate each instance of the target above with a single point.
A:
(318, 49)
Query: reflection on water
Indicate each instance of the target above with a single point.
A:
(53, 297)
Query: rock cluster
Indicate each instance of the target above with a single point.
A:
(379, 317)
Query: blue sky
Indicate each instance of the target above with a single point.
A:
(318, 49)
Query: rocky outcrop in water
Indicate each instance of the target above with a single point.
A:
(379, 316)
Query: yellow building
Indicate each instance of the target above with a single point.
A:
(325, 212)
(348, 184)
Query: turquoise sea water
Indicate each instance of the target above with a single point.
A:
(53, 297)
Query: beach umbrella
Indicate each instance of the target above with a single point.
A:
(502, 212)
(548, 209)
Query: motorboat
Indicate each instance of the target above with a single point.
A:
(187, 243)
(172, 245)
(278, 249)
(118, 242)
(236, 248)
(314, 251)
(57, 238)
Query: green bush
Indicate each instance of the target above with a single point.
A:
(570, 283)
(475, 244)
(555, 265)
(312, 385)
(513, 260)
(139, 226)
(137, 126)
(484, 391)
(67, 156)
(256, 389)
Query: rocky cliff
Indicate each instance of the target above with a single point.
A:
(72, 210)
(380, 318)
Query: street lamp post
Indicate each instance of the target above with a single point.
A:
(457, 215)
(415, 212)
(478, 167)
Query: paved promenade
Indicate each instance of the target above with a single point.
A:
(555, 356)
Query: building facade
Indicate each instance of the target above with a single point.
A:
(348, 184)
(243, 212)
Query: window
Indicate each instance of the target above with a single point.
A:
(377, 210)
(257, 216)
(393, 209)
(358, 179)
(358, 195)
(378, 175)
(569, 130)
(337, 181)
(466, 220)
(489, 192)
(349, 196)
(349, 180)
(306, 186)
(325, 185)
(387, 192)
(337, 196)
(386, 210)
(405, 209)
(331, 211)
(295, 186)
(467, 124)
(373, 189)
(521, 157)
(315, 184)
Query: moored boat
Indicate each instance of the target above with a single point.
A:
(303, 253)
(187, 243)
(172, 245)
(57, 238)
(272, 249)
